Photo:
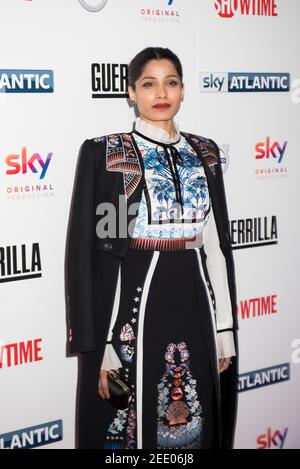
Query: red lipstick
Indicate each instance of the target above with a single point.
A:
(162, 106)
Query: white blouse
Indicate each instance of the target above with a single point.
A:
(175, 202)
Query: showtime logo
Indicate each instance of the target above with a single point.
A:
(272, 439)
(20, 353)
(228, 8)
(258, 307)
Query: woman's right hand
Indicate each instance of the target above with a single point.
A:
(103, 385)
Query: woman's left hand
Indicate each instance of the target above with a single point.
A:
(224, 364)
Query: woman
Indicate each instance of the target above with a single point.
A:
(155, 300)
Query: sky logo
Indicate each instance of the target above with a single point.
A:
(267, 149)
(21, 163)
(26, 81)
(272, 439)
(244, 82)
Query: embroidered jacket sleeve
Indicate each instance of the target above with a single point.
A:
(218, 273)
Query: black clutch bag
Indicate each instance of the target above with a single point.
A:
(119, 391)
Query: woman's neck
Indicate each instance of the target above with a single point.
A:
(167, 126)
(156, 132)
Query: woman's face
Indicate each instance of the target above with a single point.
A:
(158, 91)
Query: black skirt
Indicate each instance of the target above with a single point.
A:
(164, 336)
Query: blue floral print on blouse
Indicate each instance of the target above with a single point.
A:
(158, 216)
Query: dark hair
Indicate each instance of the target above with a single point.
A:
(139, 62)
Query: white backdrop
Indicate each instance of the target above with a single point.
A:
(37, 381)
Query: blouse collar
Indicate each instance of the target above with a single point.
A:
(156, 133)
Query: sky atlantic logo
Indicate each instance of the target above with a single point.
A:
(271, 155)
(254, 232)
(263, 377)
(33, 437)
(93, 5)
(229, 8)
(26, 81)
(244, 82)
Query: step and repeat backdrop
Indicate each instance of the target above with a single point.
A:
(63, 78)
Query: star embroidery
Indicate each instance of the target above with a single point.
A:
(134, 310)
(136, 299)
(133, 320)
(139, 289)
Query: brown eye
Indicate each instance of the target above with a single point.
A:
(147, 84)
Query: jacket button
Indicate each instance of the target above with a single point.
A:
(107, 246)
